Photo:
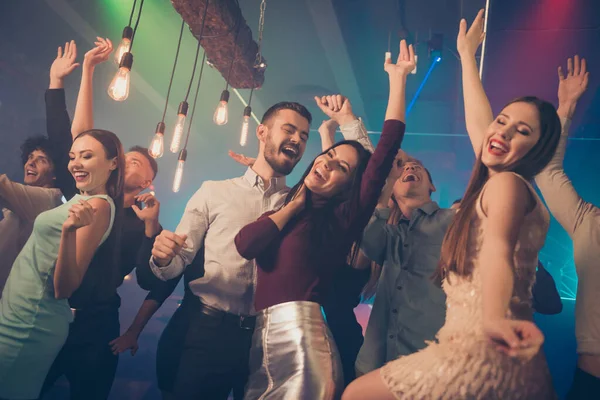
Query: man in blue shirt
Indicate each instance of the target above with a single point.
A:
(406, 240)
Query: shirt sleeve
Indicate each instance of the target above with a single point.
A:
(58, 128)
(356, 130)
(562, 199)
(26, 201)
(255, 237)
(194, 224)
(358, 210)
(374, 241)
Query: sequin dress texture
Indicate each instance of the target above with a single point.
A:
(462, 364)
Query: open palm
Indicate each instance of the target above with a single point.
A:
(405, 64)
(64, 63)
(572, 85)
(468, 41)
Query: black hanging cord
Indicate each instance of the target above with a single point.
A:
(251, 91)
(132, 11)
(187, 137)
(197, 51)
(137, 21)
(173, 72)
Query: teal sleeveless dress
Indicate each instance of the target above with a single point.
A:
(34, 325)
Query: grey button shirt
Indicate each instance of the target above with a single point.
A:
(212, 218)
(409, 307)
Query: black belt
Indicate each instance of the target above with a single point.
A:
(244, 322)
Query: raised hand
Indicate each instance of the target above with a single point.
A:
(405, 64)
(469, 40)
(520, 339)
(242, 159)
(63, 64)
(152, 209)
(572, 85)
(80, 214)
(98, 54)
(336, 107)
(166, 246)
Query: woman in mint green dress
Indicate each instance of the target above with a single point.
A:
(34, 310)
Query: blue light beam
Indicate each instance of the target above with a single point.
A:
(418, 92)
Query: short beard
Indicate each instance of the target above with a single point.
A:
(271, 159)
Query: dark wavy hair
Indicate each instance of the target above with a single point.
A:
(115, 189)
(454, 247)
(326, 223)
(41, 143)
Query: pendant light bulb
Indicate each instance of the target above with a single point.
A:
(179, 127)
(118, 89)
(222, 113)
(157, 146)
(179, 170)
(125, 44)
(245, 126)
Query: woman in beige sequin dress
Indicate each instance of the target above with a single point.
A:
(488, 348)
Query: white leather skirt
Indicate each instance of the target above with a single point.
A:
(293, 355)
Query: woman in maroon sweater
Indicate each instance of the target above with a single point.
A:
(298, 247)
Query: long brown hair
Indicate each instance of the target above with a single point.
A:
(115, 189)
(454, 247)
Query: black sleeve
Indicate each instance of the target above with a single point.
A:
(58, 128)
(546, 299)
(158, 290)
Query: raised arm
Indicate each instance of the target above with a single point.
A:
(83, 119)
(564, 202)
(478, 112)
(506, 200)
(380, 163)
(395, 173)
(339, 109)
(26, 201)
(172, 252)
(327, 133)
(58, 123)
(81, 235)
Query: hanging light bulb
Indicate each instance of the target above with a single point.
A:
(118, 89)
(245, 126)
(221, 113)
(179, 170)
(179, 126)
(125, 44)
(157, 147)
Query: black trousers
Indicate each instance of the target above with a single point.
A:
(86, 358)
(170, 348)
(339, 305)
(213, 360)
(585, 386)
